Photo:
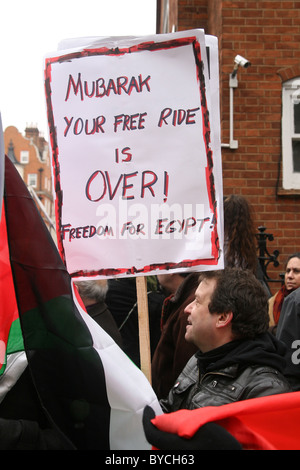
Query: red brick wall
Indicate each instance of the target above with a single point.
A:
(192, 14)
(268, 34)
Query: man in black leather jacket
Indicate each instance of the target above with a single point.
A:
(237, 358)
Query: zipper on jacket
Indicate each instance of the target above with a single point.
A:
(223, 374)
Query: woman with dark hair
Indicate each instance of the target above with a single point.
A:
(291, 283)
(240, 245)
(239, 234)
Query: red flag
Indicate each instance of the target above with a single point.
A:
(9, 318)
(265, 423)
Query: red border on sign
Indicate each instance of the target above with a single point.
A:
(144, 46)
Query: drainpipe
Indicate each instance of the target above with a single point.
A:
(233, 83)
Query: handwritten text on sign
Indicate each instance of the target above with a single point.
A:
(133, 167)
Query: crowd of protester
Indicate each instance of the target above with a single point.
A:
(216, 337)
(179, 359)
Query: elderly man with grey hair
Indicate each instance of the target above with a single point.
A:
(93, 294)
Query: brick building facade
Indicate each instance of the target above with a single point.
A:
(265, 166)
(30, 154)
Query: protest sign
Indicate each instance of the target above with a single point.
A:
(134, 131)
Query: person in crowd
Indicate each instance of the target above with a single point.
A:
(291, 282)
(288, 331)
(172, 351)
(240, 245)
(239, 233)
(237, 357)
(93, 293)
(121, 299)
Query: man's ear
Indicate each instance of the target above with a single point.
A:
(224, 319)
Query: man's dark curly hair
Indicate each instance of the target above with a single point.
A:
(239, 291)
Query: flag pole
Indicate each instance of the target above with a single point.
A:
(144, 332)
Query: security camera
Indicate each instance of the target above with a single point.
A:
(239, 60)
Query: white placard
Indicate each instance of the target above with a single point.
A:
(136, 154)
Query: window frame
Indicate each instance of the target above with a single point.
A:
(290, 95)
(24, 156)
(34, 176)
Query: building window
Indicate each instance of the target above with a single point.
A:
(24, 156)
(291, 134)
(32, 179)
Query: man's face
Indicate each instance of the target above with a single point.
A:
(201, 328)
(292, 274)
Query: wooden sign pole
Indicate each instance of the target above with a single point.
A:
(144, 332)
